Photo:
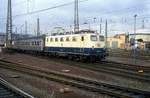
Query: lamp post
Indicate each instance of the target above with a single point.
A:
(135, 16)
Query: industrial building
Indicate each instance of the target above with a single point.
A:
(117, 41)
(123, 41)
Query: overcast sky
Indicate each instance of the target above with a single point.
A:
(118, 12)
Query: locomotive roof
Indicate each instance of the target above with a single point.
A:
(72, 35)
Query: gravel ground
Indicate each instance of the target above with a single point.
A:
(42, 88)
(50, 64)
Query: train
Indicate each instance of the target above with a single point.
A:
(83, 46)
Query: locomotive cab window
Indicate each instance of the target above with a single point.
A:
(101, 38)
(93, 38)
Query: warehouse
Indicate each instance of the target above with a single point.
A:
(117, 41)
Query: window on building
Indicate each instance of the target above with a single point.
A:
(93, 38)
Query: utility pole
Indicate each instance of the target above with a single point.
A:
(16, 30)
(9, 25)
(76, 16)
(106, 29)
(38, 27)
(100, 26)
(26, 28)
(135, 16)
(143, 24)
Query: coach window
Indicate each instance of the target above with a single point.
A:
(56, 39)
(74, 39)
(61, 39)
(67, 39)
(32, 43)
(38, 43)
(82, 38)
(93, 38)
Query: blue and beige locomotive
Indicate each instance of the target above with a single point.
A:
(84, 45)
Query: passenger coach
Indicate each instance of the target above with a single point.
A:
(33, 44)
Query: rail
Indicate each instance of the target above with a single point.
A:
(80, 82)
(8, 90)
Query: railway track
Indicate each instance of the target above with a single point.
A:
(76, 81)
(126, 66)
(119, 72)
(125, 70)
(119, 69)
(9, 91)
(129, 54)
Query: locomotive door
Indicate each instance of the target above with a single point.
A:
(82, 45)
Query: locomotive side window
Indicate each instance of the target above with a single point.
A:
(61, 39)
(56, 39)
(67, 39)
(74, 39)
(51, 39)
(101, 38)
(93, 38)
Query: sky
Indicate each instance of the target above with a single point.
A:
(119, 13)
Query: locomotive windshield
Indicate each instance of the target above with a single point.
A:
(93, 38)
(101, 38)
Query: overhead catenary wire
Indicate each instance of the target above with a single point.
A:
(45, 9)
